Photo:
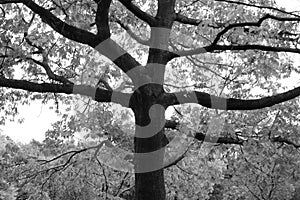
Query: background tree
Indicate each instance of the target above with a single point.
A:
(216, 47)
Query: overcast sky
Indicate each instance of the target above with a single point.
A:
(290, 5)
(38, 119)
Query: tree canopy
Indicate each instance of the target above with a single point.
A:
(217, 65)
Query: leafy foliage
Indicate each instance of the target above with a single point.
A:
(236, 49)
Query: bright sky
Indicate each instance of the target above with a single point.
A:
(38, 118)
(290, 5)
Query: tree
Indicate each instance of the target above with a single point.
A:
(225, 46)
(7, 191)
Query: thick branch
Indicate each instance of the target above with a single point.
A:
(99, 95)
(118, 56)
(211, 101)
(285, 141)
(138, 12)
(68, 31)
(218, 48)
(165, 13)
(195, 22)
(186, 20)
(9, 1)
(171, 124)
(227, 140)
(102, 18)
(101, 42)
(218, 140)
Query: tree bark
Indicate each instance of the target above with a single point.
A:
(148, 144)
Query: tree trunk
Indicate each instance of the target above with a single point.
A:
(150, 186)
(148, 143)
(149, 115)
